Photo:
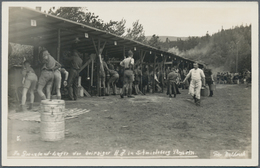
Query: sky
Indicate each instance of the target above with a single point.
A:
(181, 19)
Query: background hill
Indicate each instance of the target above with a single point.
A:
(171, 38)
(220, 50)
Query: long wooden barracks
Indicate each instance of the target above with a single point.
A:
(33, 27)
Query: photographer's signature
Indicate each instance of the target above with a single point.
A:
(229, 154)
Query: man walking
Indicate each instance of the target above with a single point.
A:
(128, 64)
(197, 75)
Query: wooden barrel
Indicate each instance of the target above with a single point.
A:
(52, 120)
(204, 91)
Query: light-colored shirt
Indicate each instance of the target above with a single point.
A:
(28, 73)
(49, 63)
(196, 74)
(126, 62)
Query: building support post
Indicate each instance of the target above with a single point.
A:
(58, 46)
(154, 72)
(100, 67)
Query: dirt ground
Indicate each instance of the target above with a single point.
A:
(145, 124)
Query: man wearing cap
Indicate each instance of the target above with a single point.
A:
(75, 63)
(197, 75)
(128, 64)
(50, 65)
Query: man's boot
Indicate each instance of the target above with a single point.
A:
(23, 108)
(194, 97)
(102, 91)
(198, 102)
(211, 94)
(30, 106)
(144, 91)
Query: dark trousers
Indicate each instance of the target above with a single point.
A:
(172, 88)
(73, 84)
(209, 83)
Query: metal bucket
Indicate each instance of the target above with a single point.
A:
(204, 91)
(52, 120)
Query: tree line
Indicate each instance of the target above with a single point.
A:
(225, 50)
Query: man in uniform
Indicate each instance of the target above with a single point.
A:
(209, 79)
(64, 79)
(50, 65)
(75, 63)
(29, 84)
(197, 75)
(57, 81)
(172, 77)
(137, 81)
(128, 64)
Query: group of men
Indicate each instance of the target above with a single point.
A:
(51, 71)
(50, 77)
(126, 77)
(123, 77)
(233, 78)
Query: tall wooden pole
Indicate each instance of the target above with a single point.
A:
(37, 69)
(154, 72)
(162, 74)
(92, 69)
(98, 70)
(58, 46)
(141, 55)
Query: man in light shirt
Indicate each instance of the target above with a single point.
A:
(197, 75)
(128, 64)
(50, 65)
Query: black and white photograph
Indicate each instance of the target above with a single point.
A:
(129, 83)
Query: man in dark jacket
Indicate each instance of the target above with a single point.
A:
(209, 79)
(74, 63)
(172, 78)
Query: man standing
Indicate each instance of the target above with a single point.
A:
(57, 81)
(29, 84)
(50, 65)
(75, 63)
(172, 77)
(197, 76)
(128, 64)
(138, 74)
(209, 79)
